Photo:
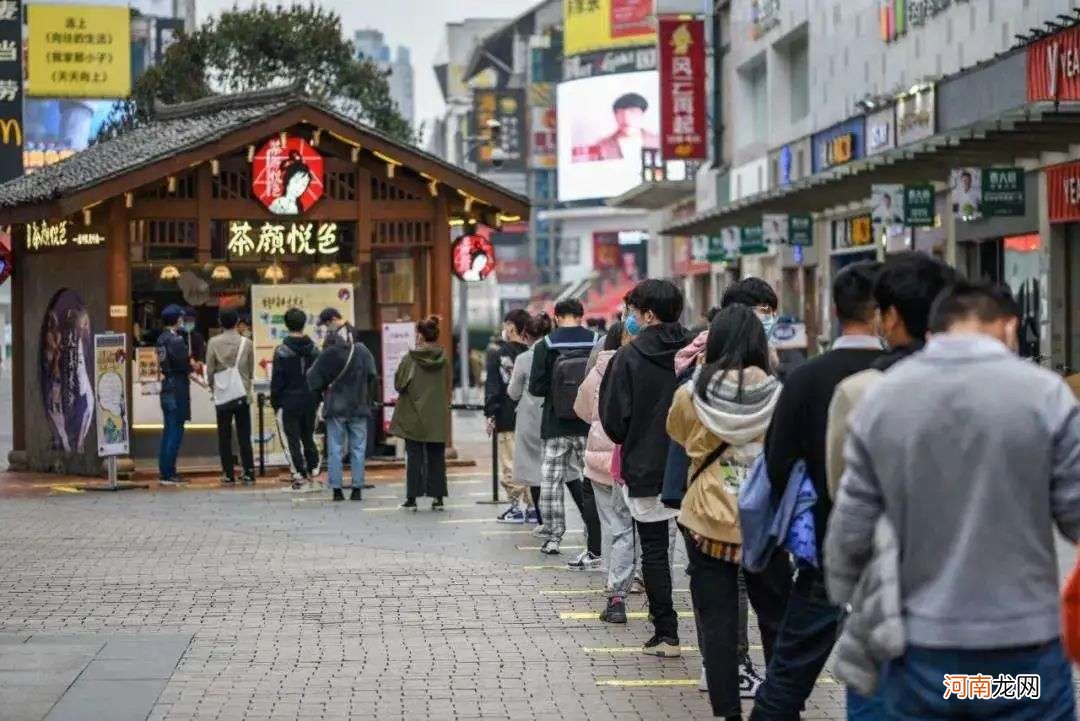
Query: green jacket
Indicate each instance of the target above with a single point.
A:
(423, 406)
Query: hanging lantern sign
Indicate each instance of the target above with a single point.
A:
(473, 257)
(287, 175)
(6, 263)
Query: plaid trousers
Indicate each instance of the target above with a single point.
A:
(564, 460)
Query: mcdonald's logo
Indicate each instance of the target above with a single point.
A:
(10, 130)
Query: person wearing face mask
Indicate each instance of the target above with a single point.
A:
(196, 340)
(973, 456)
(501, 411)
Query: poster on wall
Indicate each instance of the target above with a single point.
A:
(78, 51)
(965, 193)
(397, 340)
(110, 384)
(66, 352)
(543, 126)
(269, 304)
(57, 128)
(887, 210)
(287, 175)
(472, 257)
(604, 125)
(603, 24)
(507, 108)
(775, 228)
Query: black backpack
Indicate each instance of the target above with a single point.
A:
(567, 374)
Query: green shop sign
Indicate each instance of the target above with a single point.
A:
(753, 241)
(1002, 192)
(800, 230)
(918, 205)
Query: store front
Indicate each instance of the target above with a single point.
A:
(258, 202)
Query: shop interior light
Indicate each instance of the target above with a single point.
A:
(215, 167)
(87, 216)
(356, 154)
(330, 271)
(456, 222)
(169, 272)
(503, 218)
(274, 273)
(221, 272)
(172, 183)
(129, 200)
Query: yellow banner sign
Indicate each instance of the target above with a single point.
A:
(592, 25)
(79, 51)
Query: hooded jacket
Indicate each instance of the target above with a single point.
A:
(423, 406)
(288, 380)
(347, 385)
(499, 366)
(598, 447)
(635, 397)
(710, 507)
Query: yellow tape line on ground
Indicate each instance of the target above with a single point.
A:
(592, 591)
(595, 615)
(523, 532)
(630, 649)
(66, 489)
(537, 548)
(660, 682)
(447, 507)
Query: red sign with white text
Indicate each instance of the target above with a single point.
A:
(287, 177)
(1053, 67)
(1063, 192)
(630, 18)
(683, 130)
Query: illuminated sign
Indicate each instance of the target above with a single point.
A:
(282, 239)
(45, 234)
(287, 175)
(473, 257)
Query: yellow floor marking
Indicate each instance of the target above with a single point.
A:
(659, 682)
(523, 532)
(629, 649)
(545, 568)
(595, 615)
(537, 548)
(65, 489)
(592, 591)
(423, 507)
(469, 520)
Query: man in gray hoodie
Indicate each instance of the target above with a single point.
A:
(973, 455)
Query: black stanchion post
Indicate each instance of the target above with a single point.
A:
(261, 400)
(494, 466)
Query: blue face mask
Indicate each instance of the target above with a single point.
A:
(769, 321)
(633, 326)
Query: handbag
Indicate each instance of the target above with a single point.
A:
(1070, 615)
(229, 384)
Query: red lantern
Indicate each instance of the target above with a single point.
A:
(287, 177)
(473, 257)
(7, 262)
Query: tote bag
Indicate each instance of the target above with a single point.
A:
(229, 384)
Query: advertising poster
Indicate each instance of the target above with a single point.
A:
(965, 193)
(682, 89)
(288, 178)
(147, 378)
(79, 51)
(603, 24)
(887, 210)
(472, 257)
(543, 126)
(269, 304)
(775, 228)
(1003, 192)
(66, 353)
(508, 108)
(801, 230)
(110, 374)
(752, 240)
(11, 90)
(57, 128)
(604, 125)
(919, 205)
(397, 340)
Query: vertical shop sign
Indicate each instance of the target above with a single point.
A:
(1063, 192)
(1053, 67)
(682, 89)
(508, 108)
(1002, 192)
(397, 340)
(800, 230)
(110, 382)
(752, 241)
(919, 205)
(11, 90)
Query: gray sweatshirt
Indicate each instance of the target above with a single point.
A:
(973, 455)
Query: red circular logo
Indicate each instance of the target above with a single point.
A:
(287, 177)
(6, 264)
(473, 257)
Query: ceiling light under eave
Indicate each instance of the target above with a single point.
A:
(221, 272)
(274, 273)
(330, 271)
(169, 272)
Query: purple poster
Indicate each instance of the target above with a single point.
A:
(66, 357)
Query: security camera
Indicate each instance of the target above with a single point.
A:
(493, 123)
(498, 157)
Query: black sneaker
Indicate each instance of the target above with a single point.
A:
(662, 646)
(338, 495)
(228, 481)
(174, 481)
(248, 479)
(354, 495)
(615, 611)
(409, 505)
(749, 679)
(437, 504)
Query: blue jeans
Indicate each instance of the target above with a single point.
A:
(865, 708)
(174, 415)
(339, 432)
(913, 686)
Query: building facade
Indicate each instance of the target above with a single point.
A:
(371, 45)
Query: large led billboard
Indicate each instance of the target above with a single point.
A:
(603, 125)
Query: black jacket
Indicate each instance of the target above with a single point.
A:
(500, 364)
(288, 381)
(346, 392)
(798, 424)
(174, 362)
(545, 352)
(635, 397)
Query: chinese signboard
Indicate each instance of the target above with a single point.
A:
(11, 90)
(881, 131)
(603, 24)
(110, 383)
(80, 51)
(919, 205)
(1002, 192)
(45, 234)
(609, 62)
(915, 116)
(542, 126)
(752, 241)
(1063, 192)
(508, 108)
(472, 257)
(774, 228)
(246, 239)
(839, 144)
(287, 175)
(682, 89)
(1053, 67)
(861, 232)
(800, 230)
(397, 340)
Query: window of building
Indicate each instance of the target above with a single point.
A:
(798, 69)
(759, 98)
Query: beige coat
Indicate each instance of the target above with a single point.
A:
(844, 400)
(221, 355)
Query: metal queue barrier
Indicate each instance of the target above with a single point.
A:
(262, 400)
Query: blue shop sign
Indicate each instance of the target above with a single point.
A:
(840, 144)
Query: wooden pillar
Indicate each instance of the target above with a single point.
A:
(19, 375)
(117, 244)
(203, 180)
(441, 297)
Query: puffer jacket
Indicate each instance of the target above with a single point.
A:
(710, 507)
(598, 447)
(874, 630)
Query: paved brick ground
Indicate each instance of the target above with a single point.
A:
(297, 608)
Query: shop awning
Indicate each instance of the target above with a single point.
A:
(1019, 137)
(654, 195)
(182, 136)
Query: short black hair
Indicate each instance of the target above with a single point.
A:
(910, 282)
(295, 320)
(853, 291)
(569, 306)
(662, 297)
(228, 318)
(631, 100)
(750, 292)
(519, 318)
(963, 299)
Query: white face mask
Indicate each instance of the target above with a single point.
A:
(769, 321)
(505, 336)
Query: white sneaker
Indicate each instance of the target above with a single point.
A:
(551, 548)
(585, 561)
(703, 684)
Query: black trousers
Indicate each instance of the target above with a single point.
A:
(803, 643)
(299, 429)
(714, 592)
(534, 491)
(656, 569)
(425, 469)
(585, 500)
(238, 412)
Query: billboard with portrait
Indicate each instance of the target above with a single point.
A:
(604, 125)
